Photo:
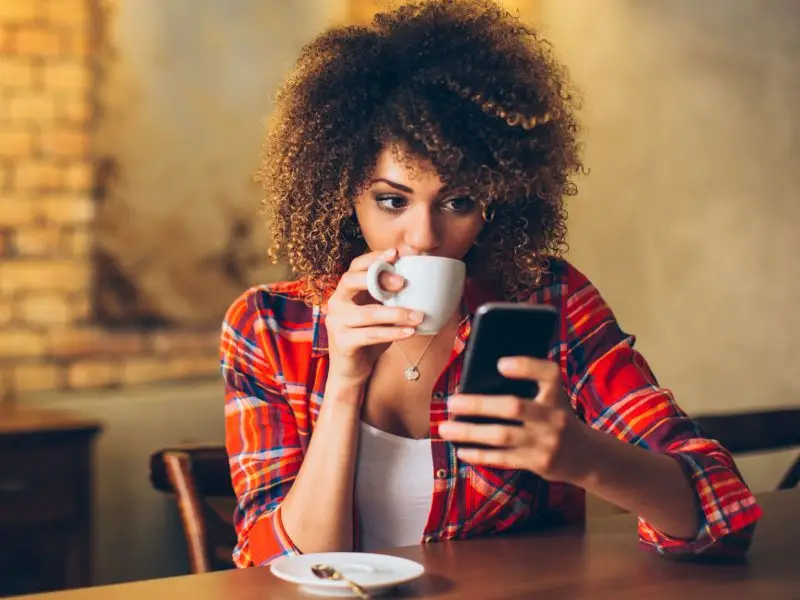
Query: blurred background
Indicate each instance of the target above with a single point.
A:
(129, 134)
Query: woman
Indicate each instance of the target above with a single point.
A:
(443, 128)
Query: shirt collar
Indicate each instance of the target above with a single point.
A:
(475, 294)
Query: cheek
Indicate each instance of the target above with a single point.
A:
(465, 233)
(376, 231)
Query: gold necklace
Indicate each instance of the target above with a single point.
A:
(412, 372)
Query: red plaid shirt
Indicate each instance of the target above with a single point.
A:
(275, 363)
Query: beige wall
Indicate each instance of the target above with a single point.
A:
(688, 220)
(185, 91)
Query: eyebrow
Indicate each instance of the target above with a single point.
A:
(398, 186)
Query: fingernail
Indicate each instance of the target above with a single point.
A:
(409, 330)
(416, 316)
(507, 363)
(389, 253)
(454, 402)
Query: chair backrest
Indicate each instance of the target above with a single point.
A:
(757, 431)
(199, 478)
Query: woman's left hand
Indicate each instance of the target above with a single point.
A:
(550, 441)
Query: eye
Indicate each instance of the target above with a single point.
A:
(461, 204)
(391, 202)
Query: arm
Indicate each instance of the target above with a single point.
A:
(328, 473)
(278, 489)
(686, 488)
(644, 483)
(639, 450)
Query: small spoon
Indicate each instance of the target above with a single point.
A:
(328, 572)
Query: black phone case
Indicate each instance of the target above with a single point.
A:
(505, 329)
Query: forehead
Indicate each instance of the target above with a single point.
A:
(399, 166)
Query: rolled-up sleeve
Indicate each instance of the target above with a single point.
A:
(260, 431)
(615, 391)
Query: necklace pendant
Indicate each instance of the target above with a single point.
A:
(412, 373)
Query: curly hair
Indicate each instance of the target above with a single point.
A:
(462, 84)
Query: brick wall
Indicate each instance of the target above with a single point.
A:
(47, 339)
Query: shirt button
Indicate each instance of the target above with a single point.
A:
(441, 473)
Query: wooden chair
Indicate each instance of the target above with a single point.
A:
(199, 479)
(758, 431)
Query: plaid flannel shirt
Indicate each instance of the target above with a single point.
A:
(274, 364)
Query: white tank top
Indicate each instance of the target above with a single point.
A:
(393, 488)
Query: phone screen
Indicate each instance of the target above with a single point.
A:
(505, 329)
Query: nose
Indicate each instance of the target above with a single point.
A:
(423, 232)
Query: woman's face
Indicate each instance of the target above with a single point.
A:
(410, 209)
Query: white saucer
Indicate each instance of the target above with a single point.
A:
(376, 573)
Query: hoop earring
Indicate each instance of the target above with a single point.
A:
(488, 212)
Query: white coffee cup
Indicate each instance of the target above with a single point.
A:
(434, 285)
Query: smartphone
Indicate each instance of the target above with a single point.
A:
(504, 329)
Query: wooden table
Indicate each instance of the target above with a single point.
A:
(602, 562)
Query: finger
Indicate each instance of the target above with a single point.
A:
(353, 282)
(350, 284)
(504, 407)
(498, 436)
(371, 336)
(391, 282)
(363, 262)
(503, 459)
(526, 367)
(545, 372)
(377, 314)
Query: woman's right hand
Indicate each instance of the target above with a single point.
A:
(360, 330)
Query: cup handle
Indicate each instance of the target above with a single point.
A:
(373, 280)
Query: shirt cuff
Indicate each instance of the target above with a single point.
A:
(728, 510)
(268, 540)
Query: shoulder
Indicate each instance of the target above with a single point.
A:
(279, 304)
(562, 285)
(590, 326)
(572, 286)
(265, 316)
(583, 308)
(565, 276)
